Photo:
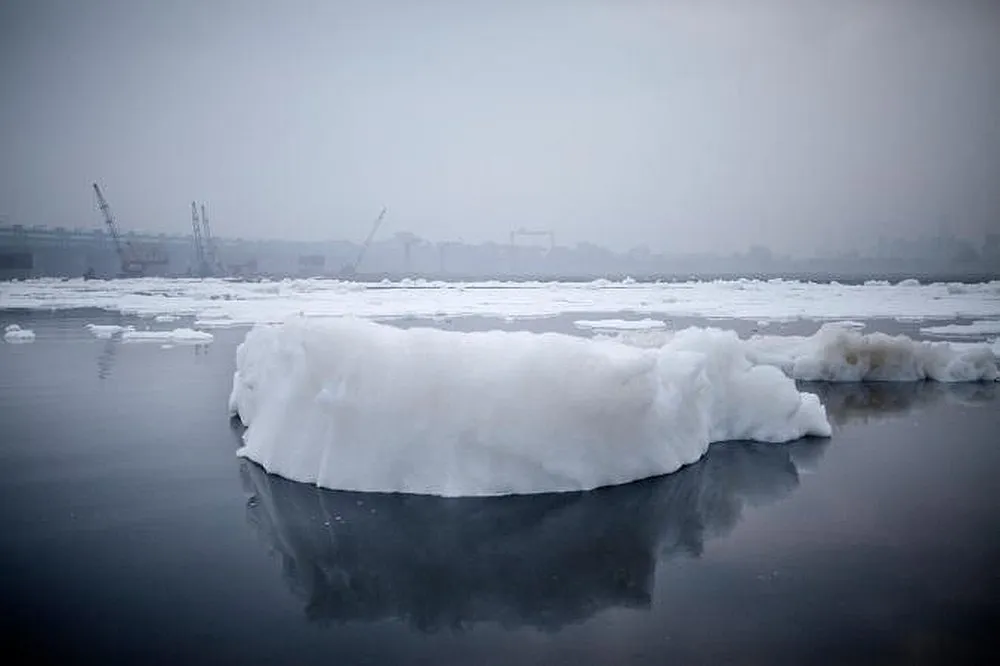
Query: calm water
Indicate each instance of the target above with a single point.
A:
(129, 531)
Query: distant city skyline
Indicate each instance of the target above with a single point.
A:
(685, 126)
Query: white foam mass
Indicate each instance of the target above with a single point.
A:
(841, 354)
(356, 405)
(14, 333)
(178, 335)
(838, 352)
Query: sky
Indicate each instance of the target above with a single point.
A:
(683, 125)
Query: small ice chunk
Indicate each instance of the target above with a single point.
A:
(106, 331)
(218, 322)
(857, 325)
(14, 333)
(178, 335)
(620, 324)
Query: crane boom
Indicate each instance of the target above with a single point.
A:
(135, 259)
(109, 220)
(371, 235)
(351, 269)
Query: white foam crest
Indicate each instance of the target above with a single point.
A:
(363, 406)
(839, 352)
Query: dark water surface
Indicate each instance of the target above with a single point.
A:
(130, 532)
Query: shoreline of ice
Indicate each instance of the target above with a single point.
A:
(220, 303)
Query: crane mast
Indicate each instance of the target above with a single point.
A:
(213, 258)
(109, 220)
(199, 248)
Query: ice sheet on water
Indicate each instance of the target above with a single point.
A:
(235, 303)
(356, 405)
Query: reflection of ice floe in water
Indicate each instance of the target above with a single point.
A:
(539, 560)
(106, 359)
(875, 401)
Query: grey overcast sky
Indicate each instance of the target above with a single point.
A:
(687, 125)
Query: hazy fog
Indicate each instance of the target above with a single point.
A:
(685, 125)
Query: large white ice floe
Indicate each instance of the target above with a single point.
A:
(14, 333)
(357, 405)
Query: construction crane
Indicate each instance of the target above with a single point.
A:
(134, 261)
(350, 270)
(213, 255)
(201, 266)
